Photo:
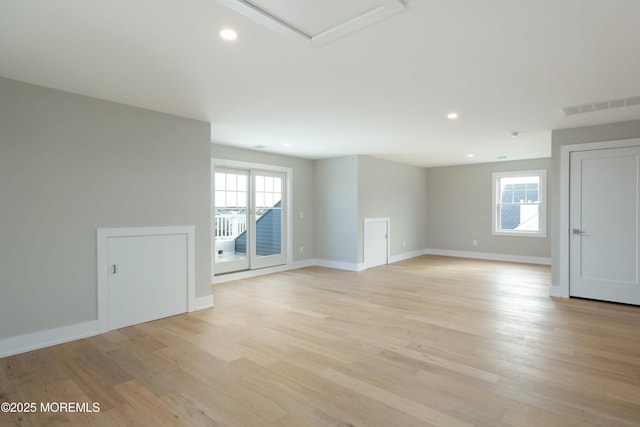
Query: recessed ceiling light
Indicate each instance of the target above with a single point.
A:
(285, 145)
(228, 34)
(471, 155)
(452, 116)
(501, 157)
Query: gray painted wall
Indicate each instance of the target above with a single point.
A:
(399, 192)
(459, 210)
(70, 164)
(436, 208)
(581, 135)
(336, 206)
(302, 188)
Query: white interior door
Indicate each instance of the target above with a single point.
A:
(376, 242)
(147, 278)
(604, 252)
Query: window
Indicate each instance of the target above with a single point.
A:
(519, 203)
(230, 200)
(231, 190)
(268, 193)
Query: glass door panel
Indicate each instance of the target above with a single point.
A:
(231, 220)
(269, 219)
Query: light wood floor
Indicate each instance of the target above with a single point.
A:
(429, 341)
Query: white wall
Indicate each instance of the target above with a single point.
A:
(396, 191)
(459, 210)
(581, 135)
(70, 164)
(302, 189)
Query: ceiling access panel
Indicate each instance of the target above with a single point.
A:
(316, 22)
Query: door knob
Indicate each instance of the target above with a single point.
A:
(577, 231)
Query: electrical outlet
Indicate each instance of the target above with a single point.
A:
(301, 249)
(404, 244)
(301, 215)
(475, 243)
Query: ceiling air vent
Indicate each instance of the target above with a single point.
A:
(599, 106)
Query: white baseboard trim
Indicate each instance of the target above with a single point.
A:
(490, 256)
(41, 339)
(406, 255)
(37, 340)
(339, 265)
(556, 291)
(262, 271)
(203, 303)
(47, 338)
(348, 266)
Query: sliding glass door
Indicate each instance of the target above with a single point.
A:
(268, 219)
(249, 217)
(231, 219)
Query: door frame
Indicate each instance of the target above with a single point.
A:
(563, 229)
(366, 221)
(225, 163)
(103, 235)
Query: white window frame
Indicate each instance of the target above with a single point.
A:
(542, 201)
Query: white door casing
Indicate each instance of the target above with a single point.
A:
(153, 277)
(604, 225)
(376, 242)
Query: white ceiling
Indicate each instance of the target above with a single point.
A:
(385, 90)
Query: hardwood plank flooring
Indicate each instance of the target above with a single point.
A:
(429, 341)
